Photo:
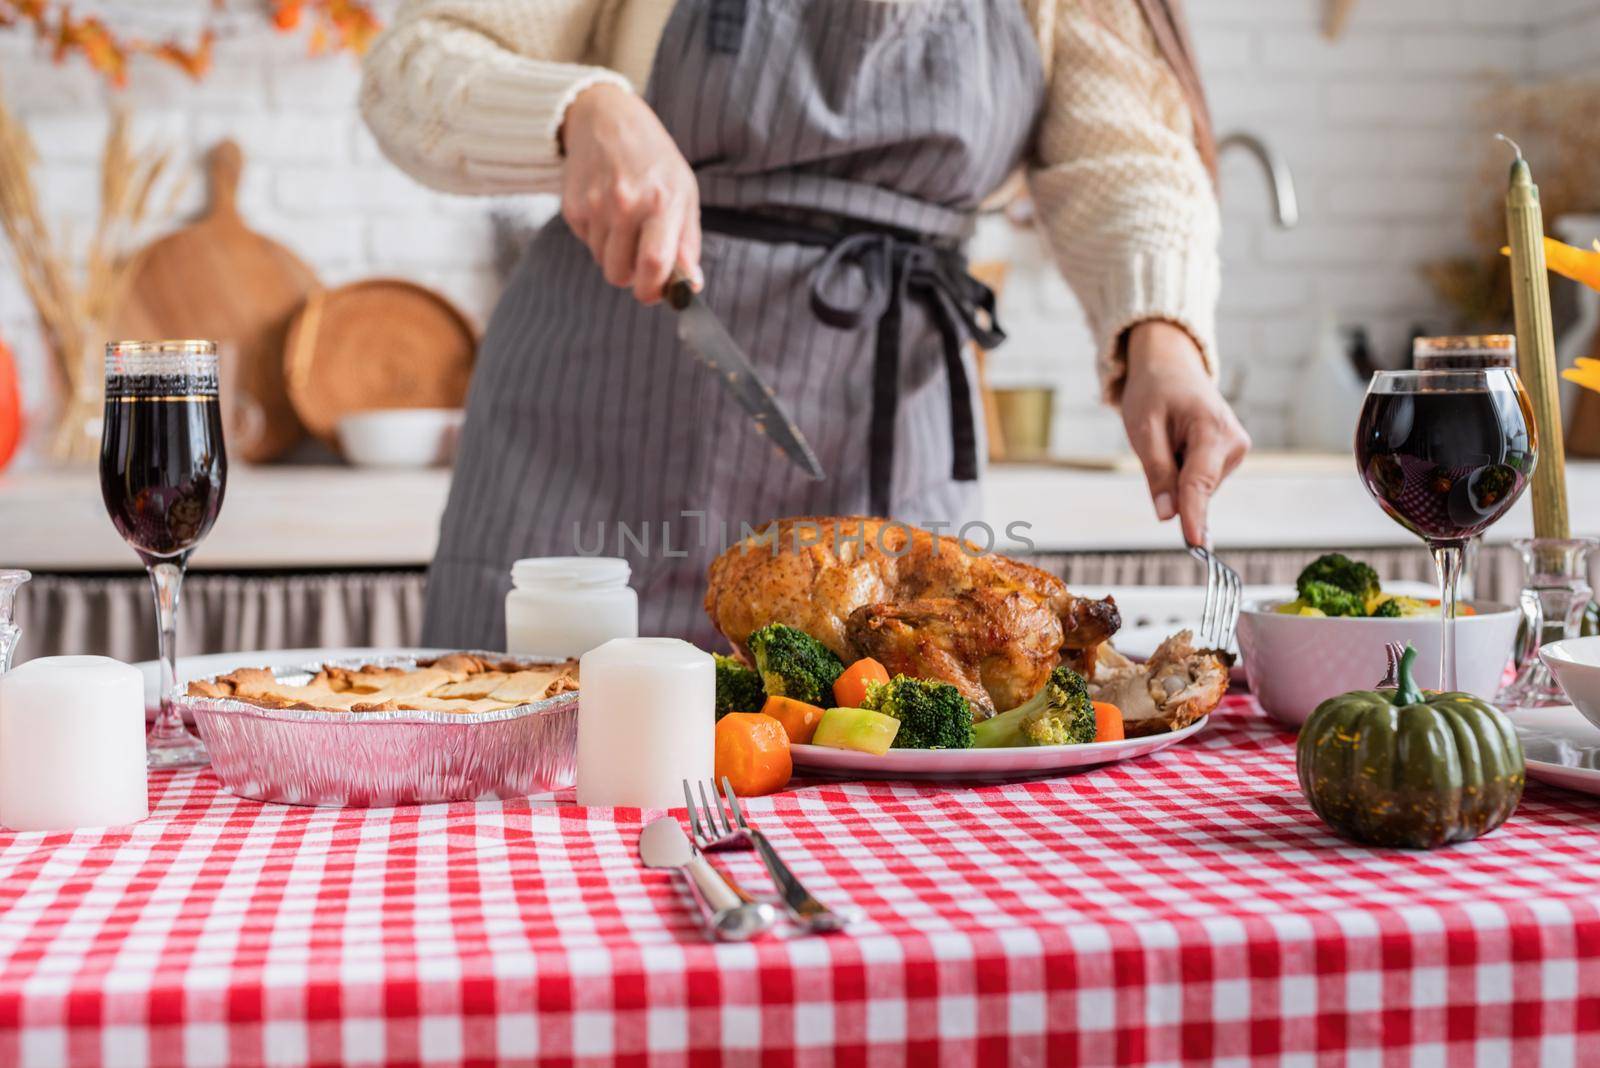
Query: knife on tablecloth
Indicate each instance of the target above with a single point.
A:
(662, 844)
(703, 334)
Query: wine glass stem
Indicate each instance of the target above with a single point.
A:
(166, 579)
(8, 645)
(1447, 559)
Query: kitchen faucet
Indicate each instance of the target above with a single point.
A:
(1286, 207)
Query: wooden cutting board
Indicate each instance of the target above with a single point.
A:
(377, 343)
(218, 279)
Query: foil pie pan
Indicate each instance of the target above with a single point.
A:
(378, 759)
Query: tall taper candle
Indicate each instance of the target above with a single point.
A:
(1536, 346)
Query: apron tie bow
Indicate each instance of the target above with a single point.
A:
(894, 268)
(725, 26)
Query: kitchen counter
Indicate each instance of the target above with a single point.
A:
(1273, 501)
(306, 518)
(286, 518)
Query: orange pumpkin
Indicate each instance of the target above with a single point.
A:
(10, 407)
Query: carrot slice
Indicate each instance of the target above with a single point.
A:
(1107, 722)
(798, 718)
(850, 688)
(752, 751)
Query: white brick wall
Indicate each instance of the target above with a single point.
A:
(1567, 38)
(1377, 127)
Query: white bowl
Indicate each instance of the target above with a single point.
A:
(1294, 663)
(1575, 662)
(400, 437)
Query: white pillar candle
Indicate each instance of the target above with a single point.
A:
(72, 744)
(646, 721)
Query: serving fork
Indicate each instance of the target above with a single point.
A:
(1224, 594)
(718, 832)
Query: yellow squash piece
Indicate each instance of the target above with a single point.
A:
(856, 728)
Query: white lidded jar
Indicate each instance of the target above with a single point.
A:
(563, 606)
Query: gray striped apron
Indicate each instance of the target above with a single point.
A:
(842, 148)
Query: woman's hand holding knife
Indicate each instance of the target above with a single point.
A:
(628, 193)
(1183, 431)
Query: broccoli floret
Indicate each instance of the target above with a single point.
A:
(738, 687)
(1336, 569)
(1389, 609)
(1331, 600)
(1059, 714)
(794, 664)
(932, 715)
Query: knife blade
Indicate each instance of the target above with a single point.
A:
(662, 844)
(703, 334)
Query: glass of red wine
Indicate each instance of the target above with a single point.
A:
(162, 472)
(1446, 453)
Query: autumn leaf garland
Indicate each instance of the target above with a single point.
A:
(1583, 266)
(331, 25)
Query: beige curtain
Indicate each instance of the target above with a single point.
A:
(219, 613)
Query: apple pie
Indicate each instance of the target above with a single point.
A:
(460, 683)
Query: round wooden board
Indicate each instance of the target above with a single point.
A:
(218, 279)
(378, 343)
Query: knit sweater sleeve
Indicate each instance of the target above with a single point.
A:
(468, 96)
(1122, 195)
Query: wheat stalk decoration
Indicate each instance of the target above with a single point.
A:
(71, 307)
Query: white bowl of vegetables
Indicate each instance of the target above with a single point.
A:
(1298, 653)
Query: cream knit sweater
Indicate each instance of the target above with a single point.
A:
(468, 95)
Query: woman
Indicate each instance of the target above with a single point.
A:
(813, 165)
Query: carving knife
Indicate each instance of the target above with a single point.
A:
(703, 334)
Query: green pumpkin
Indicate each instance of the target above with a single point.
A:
(1403, 768)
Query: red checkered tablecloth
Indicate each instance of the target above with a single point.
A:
(1182, 907)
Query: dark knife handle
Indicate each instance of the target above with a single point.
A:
(679, 290)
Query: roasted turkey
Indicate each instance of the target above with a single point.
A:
(919, 603)
(1175, 687)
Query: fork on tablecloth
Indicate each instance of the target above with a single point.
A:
(718, 832)
(1224, 593)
